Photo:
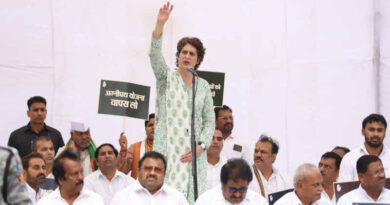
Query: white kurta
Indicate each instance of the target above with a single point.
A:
(348, 164)
(135, 194)
(34, 196)
(324, 196)
(86, 197)
(214, 196)
(214, 173)
(99, 184)
(360, 195)
(228, 151)
(277, 182)
(291, 198)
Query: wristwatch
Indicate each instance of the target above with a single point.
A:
(201, 144)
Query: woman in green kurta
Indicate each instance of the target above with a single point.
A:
(173, 110)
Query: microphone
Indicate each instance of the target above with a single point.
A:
(189, 69)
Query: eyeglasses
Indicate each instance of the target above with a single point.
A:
(226, 117)
(219, 138)
(241, 190)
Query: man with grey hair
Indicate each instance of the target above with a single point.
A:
(83, 144)
(268, 178)
(307, 187)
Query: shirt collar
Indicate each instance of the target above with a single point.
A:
(363, 192)
(364, 150)
(28, 128)
(138, 187)
(100, 174)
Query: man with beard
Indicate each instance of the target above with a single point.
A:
(374, 132)
(307, 188)
(150, 187)
(128, 157)
(107, 180)
(68, 173)
(329, 166)
(233, 146)
(372, 181)
(214, 160)
(44, 146)
(34, 169)
(83, 145)
(268, 178)
(235, 178)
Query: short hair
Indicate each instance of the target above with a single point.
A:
(151, 116)
(105, 144)
(374, 117)
(274, 143)
(35, 99)
(345, 149)
(363, 162)
(36, 140)
(302, 171)
(26, 159)
(153, 155)
(334, 156)
(58, 165)
(195, 42)
(223, 107)
(235, 169)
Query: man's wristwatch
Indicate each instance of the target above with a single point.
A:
(201, 144)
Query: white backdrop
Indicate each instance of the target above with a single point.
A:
(304, 71)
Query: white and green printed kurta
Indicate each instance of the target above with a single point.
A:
(172, 135)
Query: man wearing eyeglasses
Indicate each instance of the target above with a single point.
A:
(214, 160)
(372, 181)
(235, 178)
(233, 146)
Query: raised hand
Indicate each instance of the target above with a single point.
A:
(162, 17)
(123, 141)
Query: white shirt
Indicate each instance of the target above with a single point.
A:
(291, 198)
(214, 173)
(135, 194)
(277, 182)
(34, 196)
(99, 184)
(324, 196)
(214, 196)
(86, 197)
(360, 195)
(348, 164)
(228, 151)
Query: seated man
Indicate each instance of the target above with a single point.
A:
(68, 173)
(214, 160)
(372, 181)
(329, 166)
(83, 145)
(307, 188)
(21, 138)
(235, 178)
(44, 146)
(34, 169)
(150, 187)
(107, 181)
(129, 157)
(268, 178)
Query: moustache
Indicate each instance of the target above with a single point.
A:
(258, 158)
(151, 176)
(41, 176)
(80, 182)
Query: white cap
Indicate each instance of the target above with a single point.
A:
(79, 125)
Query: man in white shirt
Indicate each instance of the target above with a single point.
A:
(372, 181)
(107, 180)
(83, 144)
(150, 189)
(44, 146)
(68, 173)
(214, 160)
(307, 188)
(374, 131)
(235, 178)
(329, 166)
(267, 178)
(233, 146)
(34, 169)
